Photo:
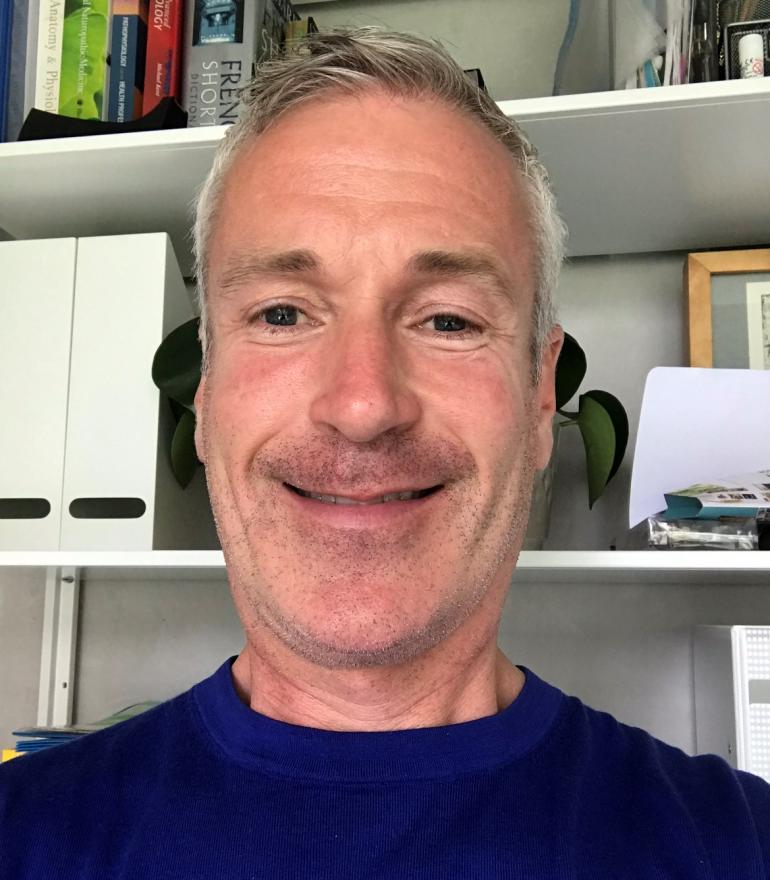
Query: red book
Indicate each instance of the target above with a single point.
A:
(162, 77)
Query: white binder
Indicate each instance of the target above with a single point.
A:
(85, 434)
(36, 288)
(119, 492)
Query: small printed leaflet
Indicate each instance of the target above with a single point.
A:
(742, 495)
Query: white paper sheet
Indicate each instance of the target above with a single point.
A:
(695, 423)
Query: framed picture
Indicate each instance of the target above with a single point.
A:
(727, 295)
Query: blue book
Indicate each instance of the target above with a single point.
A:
(6, 18)
(128, 48)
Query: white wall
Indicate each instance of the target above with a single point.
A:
(628, 314)
(21, 629)
(497, 36)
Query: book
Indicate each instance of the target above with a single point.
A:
(223, 43)
(743, 495)
(83, 56)
(128, 46)
(48, 55)
(6, 18)
(163, 68)
(295, 31)
(34, 739)
(21, 85)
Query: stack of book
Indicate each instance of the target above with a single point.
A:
(35, 739)
(730, 513)
(115, 60)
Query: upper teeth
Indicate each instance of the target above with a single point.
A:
(340, 499)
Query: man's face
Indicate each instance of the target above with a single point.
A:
(370, 297)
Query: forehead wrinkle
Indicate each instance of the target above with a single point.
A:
(243, 267)
(464, 264)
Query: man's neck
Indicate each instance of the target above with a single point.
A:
(434, 690)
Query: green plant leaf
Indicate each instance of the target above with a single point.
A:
(599, 441)
(184, 459)
(619, 419)
(176, 367)
(570, 370)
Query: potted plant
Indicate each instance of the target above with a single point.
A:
(600, 416)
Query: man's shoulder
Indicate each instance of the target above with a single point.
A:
(633, 795)
(68, 803)
(105, 758)
(626, 765)
(630, 750)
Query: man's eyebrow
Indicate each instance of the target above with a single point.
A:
(458, 264)
(242, 268)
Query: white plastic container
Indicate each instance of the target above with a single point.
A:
(751, 56)
(732, 695)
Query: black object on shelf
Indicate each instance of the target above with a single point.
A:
(474, 75)
(704, 60)
(40, 125)
(763, 529)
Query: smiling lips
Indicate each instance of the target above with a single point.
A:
(364, 502)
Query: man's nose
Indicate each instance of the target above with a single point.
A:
(364, 389)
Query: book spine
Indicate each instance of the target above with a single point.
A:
(220, 50)
(162, 74)
(83, 59)
(275, 16)
(128, 45)
(6, 18)
(294, 33)
(22, 63)
(50, 35)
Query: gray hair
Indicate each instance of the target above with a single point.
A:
(352, 61)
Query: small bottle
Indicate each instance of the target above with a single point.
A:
(751, 56)
(703, 63)
(703, 60)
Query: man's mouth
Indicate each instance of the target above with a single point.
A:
(410, 495)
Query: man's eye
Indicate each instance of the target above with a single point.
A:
(280, 316)
(449, 323)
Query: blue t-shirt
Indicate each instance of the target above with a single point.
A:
(204, 787)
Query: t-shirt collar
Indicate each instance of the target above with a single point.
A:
(278, 748)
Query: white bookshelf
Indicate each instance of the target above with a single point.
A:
(635, 171)
(676, 168)
(574, 567)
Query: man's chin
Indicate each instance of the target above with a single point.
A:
(363, 641)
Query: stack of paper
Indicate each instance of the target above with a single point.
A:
(696, 423)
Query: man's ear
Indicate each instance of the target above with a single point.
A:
(545, 396)
(199, 417)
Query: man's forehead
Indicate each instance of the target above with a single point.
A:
(394, 129)
(457, 202)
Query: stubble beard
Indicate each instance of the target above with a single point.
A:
(486, 537)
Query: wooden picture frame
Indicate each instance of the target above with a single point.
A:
(700, 269)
